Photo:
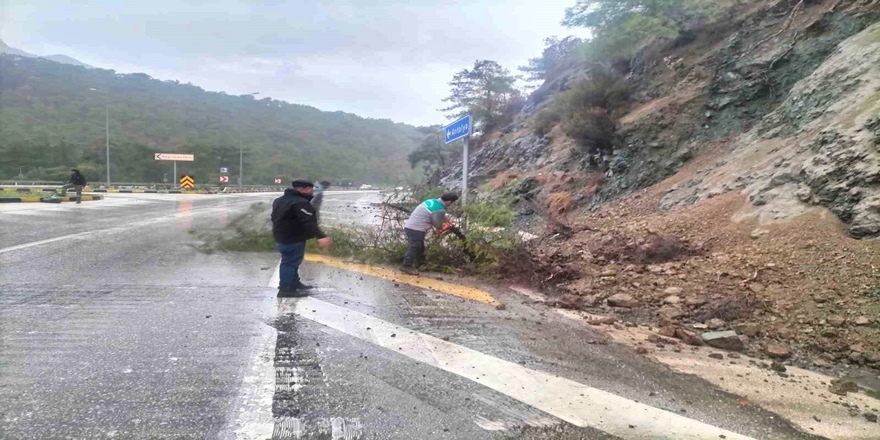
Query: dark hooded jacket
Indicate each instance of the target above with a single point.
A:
(294, 219)
(76, 178)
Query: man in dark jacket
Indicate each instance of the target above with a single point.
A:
(77, 182)
(294, 221)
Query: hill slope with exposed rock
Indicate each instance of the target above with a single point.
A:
(742, 192)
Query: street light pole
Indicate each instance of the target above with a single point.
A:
(107, 136)
(241, 155)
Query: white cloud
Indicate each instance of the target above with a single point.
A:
(377, 58)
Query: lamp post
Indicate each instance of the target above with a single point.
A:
(106, 136)
(241, 154)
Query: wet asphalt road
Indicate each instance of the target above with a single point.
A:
(112, 325)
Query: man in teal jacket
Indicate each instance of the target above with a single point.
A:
(430, 213)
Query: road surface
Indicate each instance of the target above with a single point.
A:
(113, 325)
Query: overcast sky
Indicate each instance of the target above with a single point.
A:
(376, 58)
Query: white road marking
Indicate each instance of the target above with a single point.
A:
(254, 420)
(565, 399)
(188, 213)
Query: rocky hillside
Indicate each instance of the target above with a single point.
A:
(742, 191)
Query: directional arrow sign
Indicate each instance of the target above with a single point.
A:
(175, 157)
(458, 129)
(187, 182)
(224, 179)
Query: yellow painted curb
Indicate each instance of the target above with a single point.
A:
(393, 275)
(30, 199)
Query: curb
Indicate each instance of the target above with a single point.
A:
(47, 199)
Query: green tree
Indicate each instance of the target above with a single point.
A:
(555, 50)
(621, 27)
(485, 92)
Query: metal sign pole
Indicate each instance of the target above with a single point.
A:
(175, 174)
(464, 181)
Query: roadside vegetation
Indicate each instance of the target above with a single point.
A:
(489, 237)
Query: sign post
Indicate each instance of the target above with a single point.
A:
(174, 157)
(461, 129)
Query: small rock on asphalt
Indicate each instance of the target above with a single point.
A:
(871, 417)
(716, 355)
(862, 320)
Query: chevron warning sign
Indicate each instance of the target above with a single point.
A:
(187, 182)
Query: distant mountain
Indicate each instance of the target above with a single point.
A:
(52, 117)
(58, 58)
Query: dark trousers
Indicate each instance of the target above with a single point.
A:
(415, 248)
(292, 255)
(78, 188)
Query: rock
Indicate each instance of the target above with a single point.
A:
(866, 217)
(750, 330)
(842, 386)
(715, 323)
(777, 367)
(688, 337)
(862, 320)
(777, 351)
(668, 331)
(728, 340)
(673, 291)
(835, 320)
(870, 417)
(733, 355)
(758, 233)
(604, 320)
(501, 307)
(655, 339)
(623, 300)
(670, 312)
(672, 299)
(641, 350)
(716, 355)
(696, 301)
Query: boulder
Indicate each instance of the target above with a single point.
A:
(688, 337)
(673, 291)
(835, 320)
(777, 351)
(715, 323)
(727, 340)
(672, 299)
(623, 300)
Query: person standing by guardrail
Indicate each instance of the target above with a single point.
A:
(77, 182)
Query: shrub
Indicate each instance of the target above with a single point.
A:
(546, 120)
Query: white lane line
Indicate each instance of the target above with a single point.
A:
(189, 213)
(254, 420)
(51, 240)
(571, 401)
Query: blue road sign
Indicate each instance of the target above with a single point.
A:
(458, 129)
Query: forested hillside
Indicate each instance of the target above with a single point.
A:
(52, 117)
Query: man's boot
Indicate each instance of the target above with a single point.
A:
(291, 293)
(303, 287)
(409, 270)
